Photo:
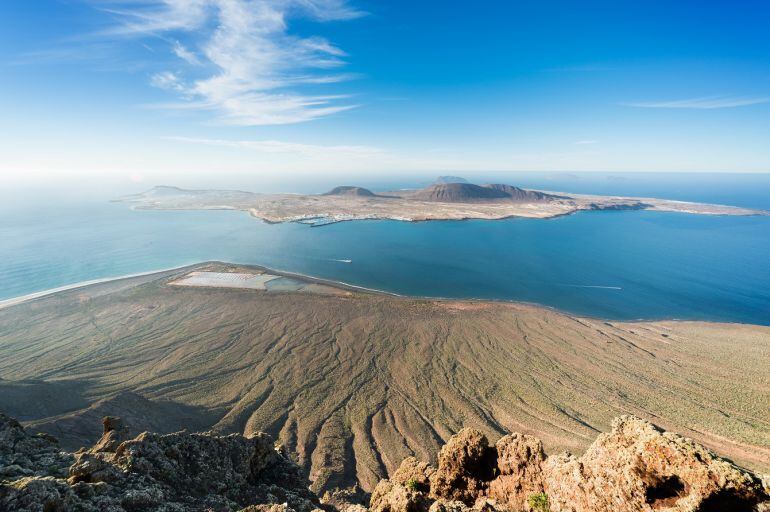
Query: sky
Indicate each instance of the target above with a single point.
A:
(144, 90)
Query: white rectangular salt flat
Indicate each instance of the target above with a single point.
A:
(225, 280)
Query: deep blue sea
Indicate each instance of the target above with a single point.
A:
(614, 265)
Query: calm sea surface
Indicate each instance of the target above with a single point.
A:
(615, 265)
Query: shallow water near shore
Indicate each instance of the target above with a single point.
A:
(614, 265)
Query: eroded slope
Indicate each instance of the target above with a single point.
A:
(352, 384)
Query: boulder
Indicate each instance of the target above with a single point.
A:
(448, 506)
(466, 465)
(351, 499)
(90, 468)
(520, 461)
(394, 497)
(114, 433)
(414, 474)
(638, 467)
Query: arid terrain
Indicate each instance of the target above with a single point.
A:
(441, 201)
(352, 382)
(635, 467)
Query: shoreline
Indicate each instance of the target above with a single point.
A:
(317, 210)
(6, 303)
(328, 220)
(13, 301)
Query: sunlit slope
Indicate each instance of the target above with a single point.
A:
(353, 384)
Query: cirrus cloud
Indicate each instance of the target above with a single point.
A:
(242, 62)
(277, 146)
(703, 103)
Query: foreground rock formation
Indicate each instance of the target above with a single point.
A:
(634, 468)
(175, 472)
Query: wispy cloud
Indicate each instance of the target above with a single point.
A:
(185, 54)
(703, 103)
(292, 148)
(168, 81)
(258, 72)
(586, 142)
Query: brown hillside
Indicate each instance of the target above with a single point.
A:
(354, 383)
(457, 193)
(519, 194)
(350, 191)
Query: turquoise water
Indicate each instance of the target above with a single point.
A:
(615, 265)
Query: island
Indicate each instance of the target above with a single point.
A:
(442, 200)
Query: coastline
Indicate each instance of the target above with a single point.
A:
(325, 209)
(13, 301)
(6, 303)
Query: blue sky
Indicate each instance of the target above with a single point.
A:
(148, 88)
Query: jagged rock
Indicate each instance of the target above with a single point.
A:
(407, 490)
(172, 473)
(25, 454)
(519, 462)
(634, 468)
(638, 467)
(485, 505)
(414, 474)
(37, 494)
(198, 463)
(448, 506)
(283, 507)
(394, 497)
(92, 468)
(115, 432)
(352, 499)
(466, 464)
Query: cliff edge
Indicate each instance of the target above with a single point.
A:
(634, 468)
(160, 473)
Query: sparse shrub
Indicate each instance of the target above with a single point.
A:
(539, 502)
(411, 484)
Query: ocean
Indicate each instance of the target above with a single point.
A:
(620, 265)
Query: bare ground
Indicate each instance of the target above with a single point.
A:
(353, 383)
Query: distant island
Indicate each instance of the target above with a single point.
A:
(449, 179)
(446, 199)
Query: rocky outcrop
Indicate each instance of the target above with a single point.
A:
(466, 465)
(520, 470)
(634, 468)
(115, 432)
(638, 464)
(407, 489)
(151, 472)
(26, 455)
